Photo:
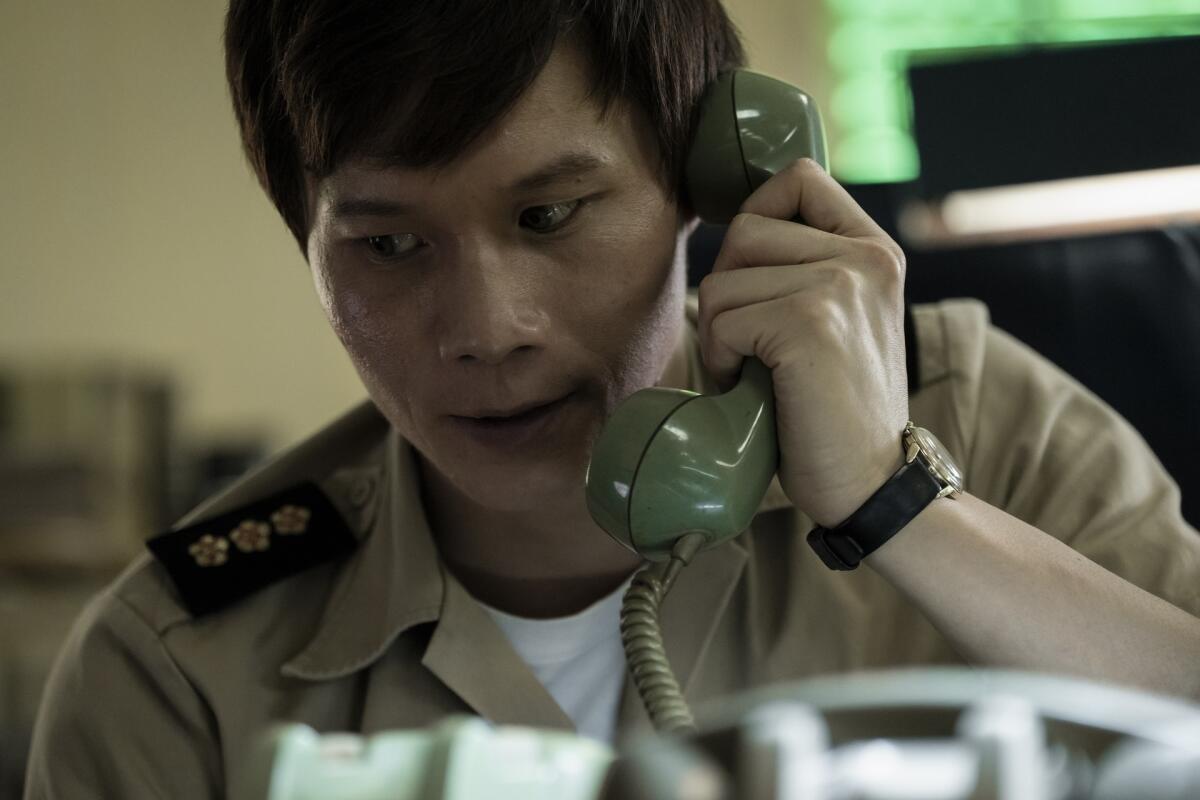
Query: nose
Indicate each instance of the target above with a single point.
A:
(490, 308)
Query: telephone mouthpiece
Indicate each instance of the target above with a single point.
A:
(670, 462)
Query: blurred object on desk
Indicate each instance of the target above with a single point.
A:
(83, 477)
(203, 469)
(84, 453)
(91, 464)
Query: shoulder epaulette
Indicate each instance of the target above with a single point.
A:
(225, 558)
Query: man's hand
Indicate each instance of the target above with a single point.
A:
(821, 304)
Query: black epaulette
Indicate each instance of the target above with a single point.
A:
(225, 558)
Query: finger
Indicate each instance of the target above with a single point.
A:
(738, 333)
(721, 292)
(754, 269)
(753, 240)
(725, 348)
(806, 191)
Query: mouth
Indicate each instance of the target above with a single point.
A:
(513, 414)
(514, 427)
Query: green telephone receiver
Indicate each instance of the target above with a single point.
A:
(671, 462)
(673, 471)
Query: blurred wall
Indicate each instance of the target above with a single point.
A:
(131, 228)
(132, 231)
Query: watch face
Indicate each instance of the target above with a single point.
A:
(940, 462)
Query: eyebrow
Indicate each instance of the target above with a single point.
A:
(368, 207)
(568, 165)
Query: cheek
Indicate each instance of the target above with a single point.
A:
(351, 318)
(637, 309)
(345, 308)
(631, 262)
(371, 333)
(349, 307)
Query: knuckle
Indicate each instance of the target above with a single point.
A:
(802, 167)
(742, 221)
(804, 309)
(821, 318)
(720, 329)
(893, 281)
(846, 281)
(882, 257)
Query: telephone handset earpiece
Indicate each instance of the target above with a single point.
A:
(750, 127)
(671, 462)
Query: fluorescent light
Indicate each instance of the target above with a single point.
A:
(1102, 202)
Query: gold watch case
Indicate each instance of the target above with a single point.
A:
(943, 467)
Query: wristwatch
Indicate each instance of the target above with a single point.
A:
(929, 472)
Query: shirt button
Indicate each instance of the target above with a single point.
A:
(361, 491)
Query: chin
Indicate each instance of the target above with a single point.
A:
(545, 480)
(525, 488)
(543, 472)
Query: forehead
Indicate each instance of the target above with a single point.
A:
(555, 128)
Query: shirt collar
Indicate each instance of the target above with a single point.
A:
(392, 582)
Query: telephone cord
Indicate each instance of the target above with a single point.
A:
(644, 650)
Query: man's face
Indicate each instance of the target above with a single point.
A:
(537, 269)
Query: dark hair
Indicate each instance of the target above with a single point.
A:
(414, 82)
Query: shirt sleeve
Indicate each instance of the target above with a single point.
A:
(119, 719)
(1051, 453)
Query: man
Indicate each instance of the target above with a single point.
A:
(488, 197)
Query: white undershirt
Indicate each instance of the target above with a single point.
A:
(579, 659)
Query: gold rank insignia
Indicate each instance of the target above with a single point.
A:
(209, 550)
(290, 520)
(251, 536)
(262, 552)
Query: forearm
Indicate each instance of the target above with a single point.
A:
(1006, 594)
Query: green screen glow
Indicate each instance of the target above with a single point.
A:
(871, 41)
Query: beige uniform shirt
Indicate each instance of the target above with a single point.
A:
(148, 701)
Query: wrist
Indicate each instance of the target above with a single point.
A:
(839, 506)
(927, 473)
(924, 536)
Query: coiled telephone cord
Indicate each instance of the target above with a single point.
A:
(644, 650)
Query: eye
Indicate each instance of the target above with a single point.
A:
(392, 246)
(543, 219)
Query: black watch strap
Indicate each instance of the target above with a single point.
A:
(883, 515)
